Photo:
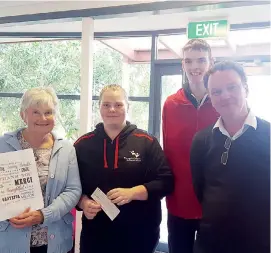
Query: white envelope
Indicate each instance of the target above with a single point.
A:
(108, 207)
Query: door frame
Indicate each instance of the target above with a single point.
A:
(162, 68)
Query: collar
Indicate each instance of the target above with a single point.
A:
(15, 133)
(250, 121)
(192, 98)
(202, 100)
(11, 139)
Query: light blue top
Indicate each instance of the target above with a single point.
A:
(63, 192)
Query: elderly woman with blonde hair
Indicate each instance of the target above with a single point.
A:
(50, 229)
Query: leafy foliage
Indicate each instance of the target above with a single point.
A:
(57, 64)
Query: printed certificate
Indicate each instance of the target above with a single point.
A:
(19, 183)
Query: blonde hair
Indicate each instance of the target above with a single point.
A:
(40, 96)
(114, 87)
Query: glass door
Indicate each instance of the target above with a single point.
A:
(169, 80)
(170, 84)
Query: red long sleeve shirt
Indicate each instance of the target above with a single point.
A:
(182, 118)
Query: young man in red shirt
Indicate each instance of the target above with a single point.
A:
(184, 114)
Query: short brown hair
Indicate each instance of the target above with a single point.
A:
(227, 65)
(198, 44)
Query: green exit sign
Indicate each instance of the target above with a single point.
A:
(208, 29)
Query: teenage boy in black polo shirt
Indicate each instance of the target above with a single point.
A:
(230, 164)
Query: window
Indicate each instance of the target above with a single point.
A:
(123, 61)
(96, 118)
(10, 118)
(107, 67)
(250, 36)
(163, 226)
(46, 63)
(114, 67)
(139, 80)
(259, 95)
(67, 123)
(139, 114)
(170, 85)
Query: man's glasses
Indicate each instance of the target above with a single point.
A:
(225, 155)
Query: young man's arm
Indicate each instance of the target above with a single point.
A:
(197, 159)
(160, 181)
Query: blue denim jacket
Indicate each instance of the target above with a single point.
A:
(63, 192)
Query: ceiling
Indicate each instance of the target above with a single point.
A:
(4, 4)
(237, 15)
(13, 8)
(138, 49)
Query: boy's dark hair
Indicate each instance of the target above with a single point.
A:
(198, 44)
(226, 65)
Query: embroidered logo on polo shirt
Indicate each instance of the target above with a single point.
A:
(135, 157)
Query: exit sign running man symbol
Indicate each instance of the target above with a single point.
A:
(208, 29)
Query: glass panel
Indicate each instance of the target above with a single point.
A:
(57, 64)
(238, 37)
(10, 118)
(107, 67)
(170, 85)
(257, 68)
(259, 95)
(163, 226)
(139, 80)
(247, 37)
(96, 118)
(175, 42)
(169, 47)
(139, 114)
(54, 63)
(135, 44)
(68, 123)
(118, 61)
(143, 43)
